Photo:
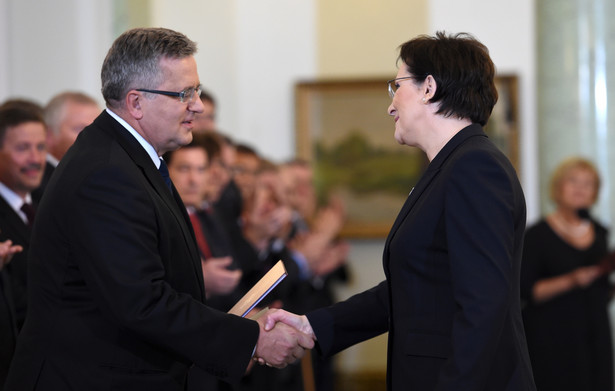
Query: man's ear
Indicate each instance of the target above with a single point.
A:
(134, 100)
(429, 87)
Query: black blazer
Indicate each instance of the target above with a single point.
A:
(12, 285)
(450, 301)
(8, 330)
(116, 289)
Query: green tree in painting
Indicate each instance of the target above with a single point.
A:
(355, 164)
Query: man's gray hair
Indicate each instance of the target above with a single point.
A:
(133, 61)
(54, 111)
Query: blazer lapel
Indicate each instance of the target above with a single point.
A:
(414, 195)
(432, 171)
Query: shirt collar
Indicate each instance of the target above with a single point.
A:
(52, 160)
(14, 200)
(147, 146)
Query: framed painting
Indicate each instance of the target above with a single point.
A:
(503, 125)
(343, 129)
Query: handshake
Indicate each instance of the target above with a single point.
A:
(283, 338)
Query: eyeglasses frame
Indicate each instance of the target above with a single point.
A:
(182, 95)
(391, 91)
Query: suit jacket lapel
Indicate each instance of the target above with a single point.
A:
(431, 172)
(19, 231)
(414, 195)
(151, 173)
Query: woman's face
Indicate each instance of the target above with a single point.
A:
(577, 189)
(407, 108)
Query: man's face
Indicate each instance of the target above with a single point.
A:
(167, 122)
(74, 118)
(22, 157)
(188, 171)
(206, 121)
(300, 189)
(245, 170)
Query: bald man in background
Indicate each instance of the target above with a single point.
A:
(66, 115)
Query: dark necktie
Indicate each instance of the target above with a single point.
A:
(164, 171)
(28, 210)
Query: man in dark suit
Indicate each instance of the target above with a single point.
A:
(22, 159)
(116, 295)
(188, 168)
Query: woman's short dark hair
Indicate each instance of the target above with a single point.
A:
(462, 69)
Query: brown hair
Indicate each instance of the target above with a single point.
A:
(11, 116)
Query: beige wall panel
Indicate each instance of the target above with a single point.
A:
(360, 37)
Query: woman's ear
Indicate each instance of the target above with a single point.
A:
(429, 88)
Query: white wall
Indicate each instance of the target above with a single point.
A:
(4, 45)
(270, 61)
(507, 29)
(48, 47)
(250, 55)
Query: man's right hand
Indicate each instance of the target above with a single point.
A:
(279, 343)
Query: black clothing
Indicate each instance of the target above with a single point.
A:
(568, 336)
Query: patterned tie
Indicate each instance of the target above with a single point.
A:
(28, 210)
(164, 171)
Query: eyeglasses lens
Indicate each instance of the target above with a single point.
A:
(187, 95)
(392, 88)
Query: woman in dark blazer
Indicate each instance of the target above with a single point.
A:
(450, 301)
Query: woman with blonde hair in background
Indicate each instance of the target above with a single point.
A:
(565, 284)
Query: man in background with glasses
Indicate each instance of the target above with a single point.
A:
(117, 290)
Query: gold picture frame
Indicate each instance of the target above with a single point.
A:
(503, 125)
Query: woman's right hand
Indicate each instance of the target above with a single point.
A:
(548, 288)
(585, 275)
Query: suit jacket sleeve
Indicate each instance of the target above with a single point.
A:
(126, 249)
(484, 215)
(361, 317)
